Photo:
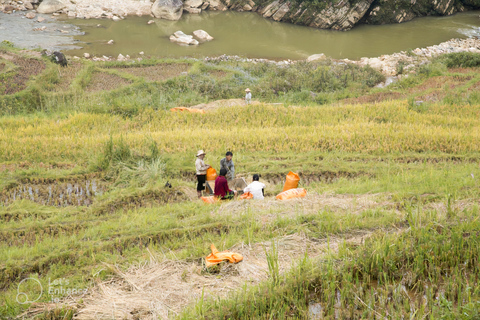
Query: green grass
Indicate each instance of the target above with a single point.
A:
(401, 174)
(429, 270)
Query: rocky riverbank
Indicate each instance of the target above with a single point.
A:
(336, 15)
(393, 66)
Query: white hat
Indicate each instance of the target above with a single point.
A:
(247, 90)
(200, 152)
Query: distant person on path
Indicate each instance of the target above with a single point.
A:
(248, 96)
(227, 164)
(221, 187)
(256, 188)
(201, 169)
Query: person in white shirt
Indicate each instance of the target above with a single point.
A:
(201, 169)
(256, 188)
(248, 96)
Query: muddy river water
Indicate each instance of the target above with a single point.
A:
(249, 34)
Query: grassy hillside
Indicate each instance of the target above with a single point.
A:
(389, 227)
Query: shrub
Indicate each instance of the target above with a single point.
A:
(461, 60)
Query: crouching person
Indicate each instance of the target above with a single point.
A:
(256, 188)
(221, 187)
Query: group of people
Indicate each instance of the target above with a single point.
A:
(227, 173)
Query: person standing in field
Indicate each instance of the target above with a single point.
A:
(227, 164)
(256, 188)
(201, 169)
(248, 96)
(222, 191)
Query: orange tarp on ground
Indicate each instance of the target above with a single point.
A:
(291, 182)
(216, 257)
(246, 195)
(292, 193)
(211, 199)
(192, 110)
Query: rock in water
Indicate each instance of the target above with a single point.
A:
(315, 57)
(168, 9)
(151, 22)
(30, 15)
(51, 6)
(202, 35)
(183, 39)
(110, 42)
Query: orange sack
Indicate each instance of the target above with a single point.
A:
(291, 182)
(216, 257)
(292, 193)
(246, 195)
(211, 174)
(211, 199)
(192, 110)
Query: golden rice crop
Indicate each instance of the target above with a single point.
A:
(383, 128)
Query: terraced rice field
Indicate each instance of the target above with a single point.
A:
(91, 229)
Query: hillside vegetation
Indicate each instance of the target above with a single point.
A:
(389, 227)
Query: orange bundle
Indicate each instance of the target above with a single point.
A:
(292, 193)
(192, 110)
(211, 174)
(211, 199)
(291, 182)
(246, 195)
(216, 257)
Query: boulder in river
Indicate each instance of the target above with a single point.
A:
(51, 6)
(316, 57)
(202, 35)
(183, 39)
(168, 9)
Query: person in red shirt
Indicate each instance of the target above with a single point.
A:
(221, 187)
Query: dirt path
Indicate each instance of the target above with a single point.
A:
(226, 103)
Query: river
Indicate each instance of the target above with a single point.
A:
(248, 34)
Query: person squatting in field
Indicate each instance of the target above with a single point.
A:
(227, 164)
(256, 188)
(222, 191)
(201, 169)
